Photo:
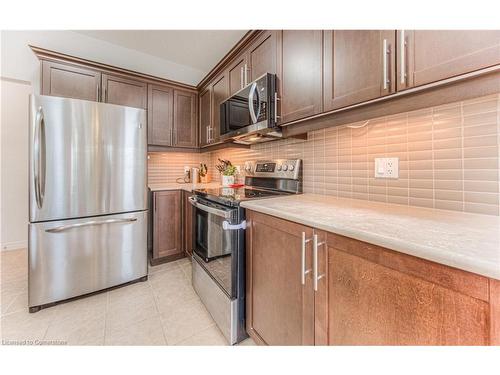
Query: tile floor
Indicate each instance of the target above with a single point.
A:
(165, 310)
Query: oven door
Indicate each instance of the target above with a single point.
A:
(211, 239)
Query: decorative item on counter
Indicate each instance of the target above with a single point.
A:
(227, 171)
(195, 175)
(204, 173)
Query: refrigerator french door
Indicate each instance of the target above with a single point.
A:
(88, 197)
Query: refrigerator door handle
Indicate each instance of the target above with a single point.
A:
(92, 222)
(39, 156)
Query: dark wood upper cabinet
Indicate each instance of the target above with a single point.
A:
(185, 123)
(300, 77)
(124, 91)
(220, 92)
(205, 115)
(359, 65)
(427, 56)
(280, 308)
(262, 55)
(237, 74)
(70, 81)
(160, 107)
(167, 224)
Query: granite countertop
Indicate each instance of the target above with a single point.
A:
(470, 242)
(182, 186)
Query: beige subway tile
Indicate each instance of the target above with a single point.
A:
(448, 184)
(449, 195)
(424, 128)
(376, 150)
(447, 133)
(447, 143)
(478, 208)
(448, 164)
(449, 205)
(446, 124)
(481, 197)
(420, 164)
(381, 190)
(357, 195)
(481, 186)
(421, 202)
(490, 129)
(378, 197)
(380, 182)
(419, 146)
(397, 200)
(481, 174)
(480, 106)
(448, 174)
(447, 111)
(484, 163)
(481, 152)
(398, 183)
(360, 188)
(451, 153)
(420, 155)
(421, 193)
(395, 191)
(481, 141)
(419, 116)
(344, 194)
(421, 174)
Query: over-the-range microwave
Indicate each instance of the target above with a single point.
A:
(250, 115)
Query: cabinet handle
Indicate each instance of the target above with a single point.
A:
(242, 79)
(385, 56)
(105, 95)
(276, 117)
(246, 74)
(316, 277)
(303, 271)
(97, 98)
(172, 137)
(402, 47)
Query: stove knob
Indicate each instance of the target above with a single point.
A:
(279, 167)
(292, 167)
(285, 167)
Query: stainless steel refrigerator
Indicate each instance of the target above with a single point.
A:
(87, 199)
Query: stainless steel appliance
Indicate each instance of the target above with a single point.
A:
(87, 198)
(250, 115)
(219, 237)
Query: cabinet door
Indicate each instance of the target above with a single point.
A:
(185, 125)
(280, 308)
(205, 115)
(237, 75)
(70, 81)
(124, 91)
(359, 66)
(370, 300)
(220, 93)
(160, 107)
(167, 219)
(301, 74)
(188, 213)
(262, 55)
(433, 55)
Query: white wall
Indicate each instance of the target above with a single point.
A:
(14, 99)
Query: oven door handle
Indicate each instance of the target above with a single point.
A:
(194, 202)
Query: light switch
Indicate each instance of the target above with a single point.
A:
(386, 167)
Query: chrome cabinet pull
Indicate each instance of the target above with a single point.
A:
(89, 223)
(402, 47)
(246, 75)
(98, 99)
(316, 277)
(303, 271)
(242, 80)
(385, 55)
(276, 117)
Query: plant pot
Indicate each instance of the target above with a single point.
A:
(204, 179)
(227, 180)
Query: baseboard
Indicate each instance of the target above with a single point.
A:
(7, 246)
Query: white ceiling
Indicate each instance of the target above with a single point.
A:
(197, 49)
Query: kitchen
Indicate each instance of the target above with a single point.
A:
(287, 193)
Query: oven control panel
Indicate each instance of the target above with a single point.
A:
(279, 168)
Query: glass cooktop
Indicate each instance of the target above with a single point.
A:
(233, 196)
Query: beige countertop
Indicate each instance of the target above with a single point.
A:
(182, 186)
(470, 242)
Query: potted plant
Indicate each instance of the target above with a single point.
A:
(203, 173)
(227, 171)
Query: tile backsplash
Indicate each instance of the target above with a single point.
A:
(448, 157)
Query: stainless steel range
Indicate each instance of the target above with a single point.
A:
(219, 234)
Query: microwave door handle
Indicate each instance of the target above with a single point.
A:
(250, 102)
(224, 214)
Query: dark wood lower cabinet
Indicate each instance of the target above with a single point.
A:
(187, 223)
(167, 226)
(365, 294)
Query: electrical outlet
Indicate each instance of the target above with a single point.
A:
(387, 168)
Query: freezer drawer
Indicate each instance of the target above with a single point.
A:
(69, 258)
(86, 159)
